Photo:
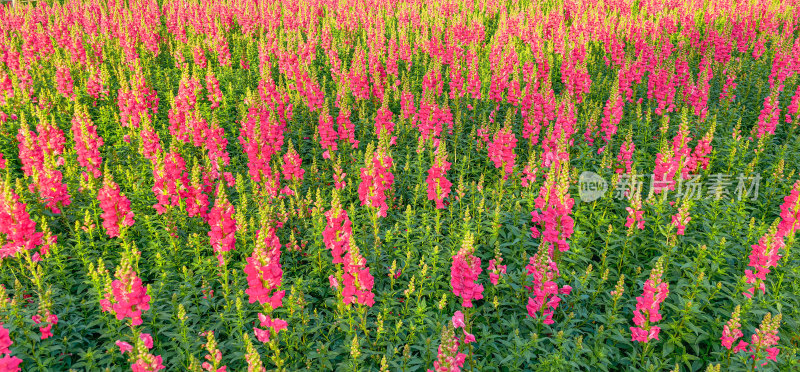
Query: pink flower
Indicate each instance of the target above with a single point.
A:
(648, 306)
(291, 165)
(124, 346)
(438, 185)
(128, 297)
(763, 256)
(18, 227)
(222, 235)
(261, 334)
(468, 337)
(731, 331)
(147, 339)
(5, 340)
(790, 213)
(334, 282)
(270, 325)
(495, 270)
(10, 363)
(552, 220)
(545, 290)
(501, 150)
(463, 276)
(458, 319)
(376, 180)
(448, 358)
(87, 141)
(741, 346)
(263, 269)
(765, 338)
(50, 319)
(638, 334)
(116, 208)
(327, 133)
(680, 219)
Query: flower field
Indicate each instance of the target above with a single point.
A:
(404, 185)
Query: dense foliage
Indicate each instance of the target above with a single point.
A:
(399, 185)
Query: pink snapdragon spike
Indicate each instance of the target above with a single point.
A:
(545, 290)
(612, 115)
(97, 85)
(727, 89)
(171, 181)
(336, 235)
(448, 358)
(64, 83)
(7, 362)
(763, 256)
(147, 339)
(697, 93)
(16, 225)
(116, 207)
(5, 340)
(699, 158)
(793, 108)
(769, 117)
(680, 219)
(675, 161)
(383, 123)
(214, 357)
(214, 94)
(49, 319)
(222, 235)
(357, 281)
(262, 132)
(458, 322)
(87, 142)
(575, 72)
(625, 157)
(731, 332)
(407, 106)
(40, 155)
(333, 282)
(790, 213)
(327, 134)
(148, 363)
(438, 185)
(765, 340)
(135, 99)
(501, 151)
(291, 165)
(376, 180)
(10, 363)
(347, 130)
(648, 306)
(429, 119)
(635, 214)
(464, 273)
(339, 177)
(551, 219)
(496, 270)
(189, 126)
(150, 146)
(263, 269)
(127, 297)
